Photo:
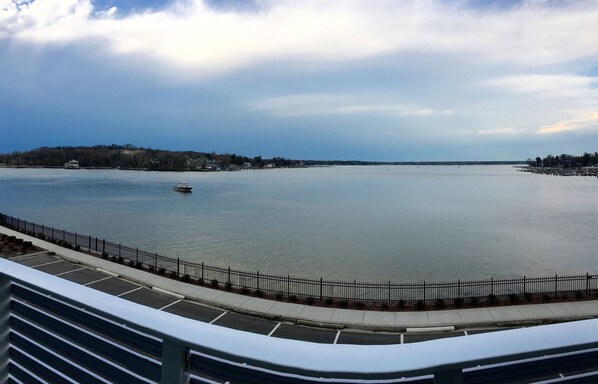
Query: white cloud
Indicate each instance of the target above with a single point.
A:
(191, 35)
(324, 104)
(586, 122)
(502, 131)
(559, 86)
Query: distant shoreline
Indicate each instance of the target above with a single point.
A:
(561, 171)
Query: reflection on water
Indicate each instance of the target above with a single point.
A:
(399, 223)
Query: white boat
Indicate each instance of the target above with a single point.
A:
(183, 187)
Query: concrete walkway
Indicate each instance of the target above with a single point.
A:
(334, 317)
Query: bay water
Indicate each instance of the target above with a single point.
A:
(370, 223)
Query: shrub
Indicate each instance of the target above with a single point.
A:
(343, 303)
(293, 299)
(420, 305)
(310, 300)
(18, 241)
(131, 263)
(186, 278)
(458, 302)
(513, 298)
(528, 296)
(384, 306)
(259, 293)
(214, 283)
(578, 295)
(77, 248)
(138, 265)
(151, 268)
(439, 303)
(161, 271)
(11, 239)
(113, 258)
(245, 290)
(104, 255)
(474, 301)
(546, 298)
(173, 274)
(51, 253)
(27, 244)
(401, 304)
(228, 285)
(120, 260)
(359, 304)
(329, 301)
(492, 299)
(279, 295)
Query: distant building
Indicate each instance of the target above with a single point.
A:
(73, 164)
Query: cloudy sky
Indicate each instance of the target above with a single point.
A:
(369, 80)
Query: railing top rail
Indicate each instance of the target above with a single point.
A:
(408, 359)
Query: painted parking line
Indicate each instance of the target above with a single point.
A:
(51, 262)
(98, 280)
(222, 314)
(168, 305)
(132, 290)
(74, 270)
(274, 330)
(336, 338)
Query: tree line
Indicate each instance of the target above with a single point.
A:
(131, 157)
(565, 161)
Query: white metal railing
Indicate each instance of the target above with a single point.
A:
(53, 327)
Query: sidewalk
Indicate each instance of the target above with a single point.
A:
(334, 317)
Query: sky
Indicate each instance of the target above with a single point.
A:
(380, 80)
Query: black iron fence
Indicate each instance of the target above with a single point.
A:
(293, 287)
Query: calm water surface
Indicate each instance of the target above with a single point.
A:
(378, 223)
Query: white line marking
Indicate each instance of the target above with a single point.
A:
(219, 316)
(274, 330)
(466, 334)
(164, 291)
(336, 338)
(107, 272)
(402, 338)
(74, 270)
(51, 262)
(98, 280)
(561, 375)
(132, 290)
(168, 305)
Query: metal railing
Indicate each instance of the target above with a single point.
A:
(55, 331)
(321, 290)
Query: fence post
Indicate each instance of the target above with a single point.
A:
(258, 280)
(424, 292)
(118, 249)
(136, 255)
(556, 282)
(89, 243)
(75, 239)
(228, 276)
(523, 285)
(177, 266)
(103, 246)
(156, 262)
(43, 230)
(63, 235)
(175, 363)
(492, 285)
(587, 283)
(202, 271)
(52, 233)
(288, 285)
(459, 288)
(321, 289)
(354, 290)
